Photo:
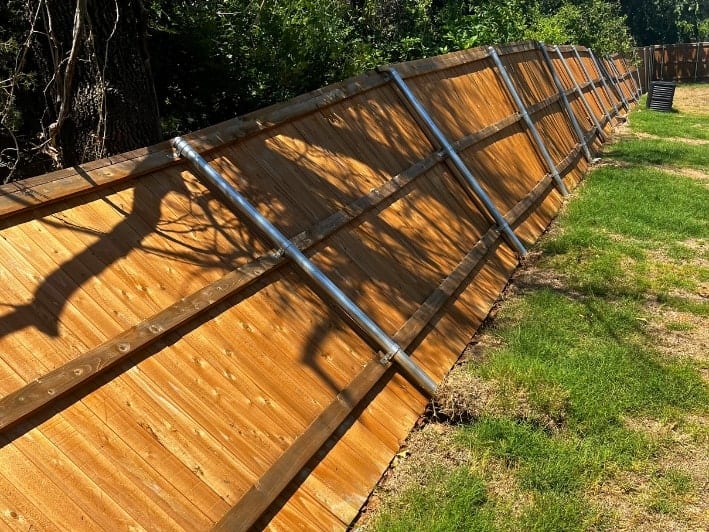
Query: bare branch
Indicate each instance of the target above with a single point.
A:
(65, 90)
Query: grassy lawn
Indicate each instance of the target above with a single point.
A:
(585, 403)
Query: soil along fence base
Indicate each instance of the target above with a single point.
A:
(165, 366)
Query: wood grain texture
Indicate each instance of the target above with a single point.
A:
(17, 405)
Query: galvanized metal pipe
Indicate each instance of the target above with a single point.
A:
(457, 161)
(606, 89)
(638, 82)
(616, 80)
(593, 85)
(591, 115)
(528, 120)
(622, 81)
(389, 347)
(628, 75)
(632, 77)
(565, 100)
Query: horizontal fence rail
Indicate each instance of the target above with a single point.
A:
(165, 366)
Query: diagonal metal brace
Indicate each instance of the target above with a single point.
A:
(245, 208)
(450, 151)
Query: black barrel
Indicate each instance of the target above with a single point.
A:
(660, 95)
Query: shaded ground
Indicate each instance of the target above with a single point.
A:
(584, 401)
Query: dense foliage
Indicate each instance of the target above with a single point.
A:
(213, 59)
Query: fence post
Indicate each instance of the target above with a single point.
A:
(593, 85)
(652, 69)
(700, 46)
(567, 106)
(448, 148)
(646, 66)
(528, 120)
(591, 115)
(604, 84)
(638, 83)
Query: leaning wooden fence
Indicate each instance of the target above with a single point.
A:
(673, 62)
(162, 367)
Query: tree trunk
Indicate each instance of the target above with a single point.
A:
(100, 97)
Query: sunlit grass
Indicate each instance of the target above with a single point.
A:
(671, 124)
(660, 152)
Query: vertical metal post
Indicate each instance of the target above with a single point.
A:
(528, 120)
(591, 115)
(616, 79)
(467, 175)
(602, 75)
(652, 67)
(567, 106)
(593, 85)
(390, 348)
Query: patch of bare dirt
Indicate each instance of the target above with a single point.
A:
(428, 453)
(680, 335)
(692, 173)
(644, 500)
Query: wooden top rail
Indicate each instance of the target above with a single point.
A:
(427, 65)
(516, 48)
(18, 197)
(24, 195)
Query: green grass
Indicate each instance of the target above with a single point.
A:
(466, 506)
(597, 351)
(668, 489)
(576, 362)
(672, 124)
(621, 216)
(660, 152)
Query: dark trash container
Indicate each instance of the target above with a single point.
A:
(660, 95)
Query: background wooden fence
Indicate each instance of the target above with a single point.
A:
(162, 367)
(673, 62)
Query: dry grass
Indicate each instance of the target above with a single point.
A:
(670, 495)
(692, 99)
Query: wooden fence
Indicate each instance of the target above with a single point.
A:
(162, 368)
(673, 62)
